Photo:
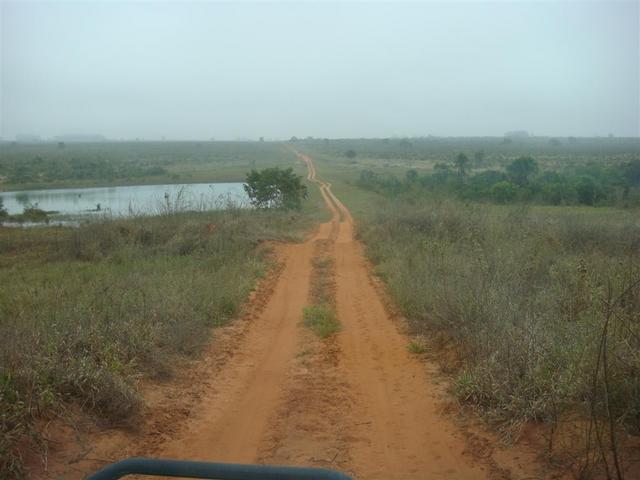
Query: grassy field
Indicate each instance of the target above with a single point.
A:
(396, 155)
(87, 312)
(534, 311)
(47, 165)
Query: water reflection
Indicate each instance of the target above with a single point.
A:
(126, 201)
(22, 198)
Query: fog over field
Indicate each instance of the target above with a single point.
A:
(244, 70)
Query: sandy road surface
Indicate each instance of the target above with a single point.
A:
(396, 431)
(382, 418)
(357, 402)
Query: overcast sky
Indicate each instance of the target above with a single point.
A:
(243, 70)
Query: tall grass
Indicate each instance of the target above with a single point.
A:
(86, 312)
(527, 300)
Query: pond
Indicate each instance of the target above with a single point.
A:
(127, 200)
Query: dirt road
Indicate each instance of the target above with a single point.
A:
(362, 404)
(396, 431)
(358, 401)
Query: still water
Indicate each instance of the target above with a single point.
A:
(125, 201)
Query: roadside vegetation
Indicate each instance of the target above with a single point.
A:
(523, 298)
(520, 181)
(86, 313)
(530, 303)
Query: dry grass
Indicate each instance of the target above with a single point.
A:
(541, 307)
(85, 312)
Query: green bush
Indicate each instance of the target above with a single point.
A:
(591, 185)
(503, 192)
(275, 188)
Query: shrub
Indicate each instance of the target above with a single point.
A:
(275, 188)
(503, 192)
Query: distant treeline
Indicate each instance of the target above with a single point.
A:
(51, 170)
(56, 165)
(521, 181)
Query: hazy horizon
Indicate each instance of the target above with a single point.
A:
(247, 70)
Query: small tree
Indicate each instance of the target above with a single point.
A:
(350, 154)
(632, 172)
(462, 164)
(503, 192)
(478, 157)
(3, 211)
(411, 176)
(275, 188)
(522, 169)
(586, 190)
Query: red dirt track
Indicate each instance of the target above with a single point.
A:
(268, 391)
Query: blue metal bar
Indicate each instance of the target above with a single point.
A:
(213, 471)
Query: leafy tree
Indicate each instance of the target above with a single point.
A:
(632, 172)
(462, 164)
(586, 190)
(522, 169)
(503, 192)
(411, 176)
(350, 154)
(367, 179)
(558, 193)
(441, 167)
(275, 188)
(482, 182)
